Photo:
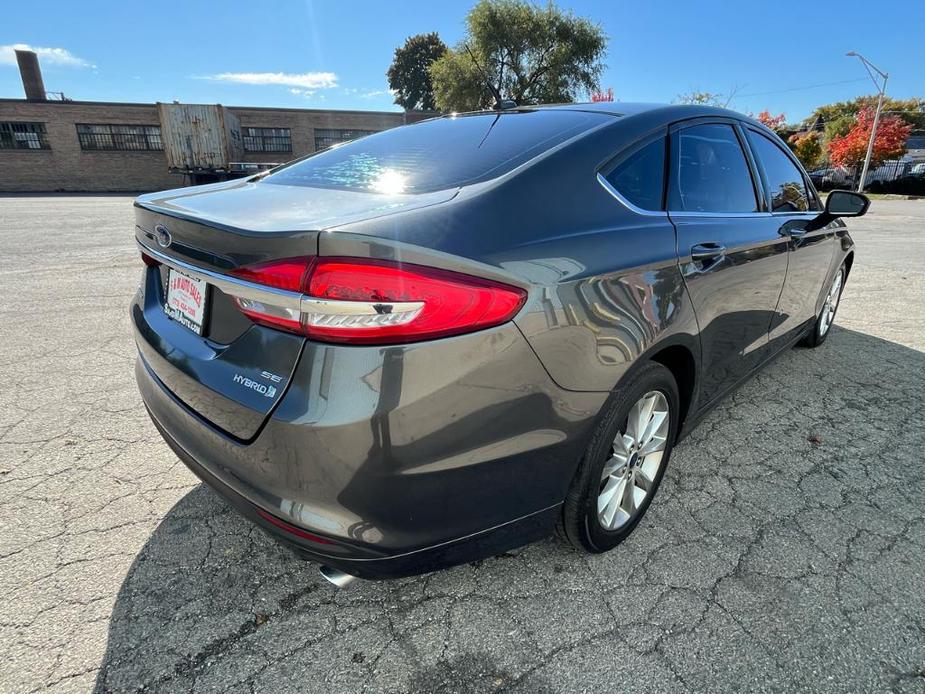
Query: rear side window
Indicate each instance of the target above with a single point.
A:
(640, 177)
(438, 154)
(710, 173)
(788, 189)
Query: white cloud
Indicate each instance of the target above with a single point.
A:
(304, 80)
(366, 93)
(47, 56)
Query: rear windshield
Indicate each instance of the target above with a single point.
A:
(438, 154)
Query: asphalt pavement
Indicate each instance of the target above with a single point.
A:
(785, 550)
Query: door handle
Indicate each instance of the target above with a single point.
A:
(793, 232)
(707, 251)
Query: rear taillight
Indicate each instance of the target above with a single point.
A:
(364, 301)
(289, 274)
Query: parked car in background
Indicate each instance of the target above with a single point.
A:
(449, 339)
(830, 177)
(889, 171)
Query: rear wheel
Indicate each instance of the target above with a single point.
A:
(826, 316)
(624, 463)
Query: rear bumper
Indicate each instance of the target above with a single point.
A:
(369, 566)
(407, 459)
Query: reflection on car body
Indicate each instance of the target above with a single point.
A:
(469, 332)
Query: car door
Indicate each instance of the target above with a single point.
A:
(731, 255)
(793, 204)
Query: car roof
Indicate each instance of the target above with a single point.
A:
(613, 108)
(668, 112)
(656, 113)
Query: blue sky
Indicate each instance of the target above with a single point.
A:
(334, 53)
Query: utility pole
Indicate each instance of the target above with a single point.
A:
(881, 88)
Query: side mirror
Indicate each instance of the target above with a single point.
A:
(840, 203)
(843, 203)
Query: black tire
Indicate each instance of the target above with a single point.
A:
(579, 523)
(820, 331)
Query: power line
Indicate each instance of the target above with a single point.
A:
(799, 89)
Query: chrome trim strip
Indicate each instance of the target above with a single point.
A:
(311, 304)
(230, 285)
(292, 302)
(719, 215)
(626, 203)
(810, 214)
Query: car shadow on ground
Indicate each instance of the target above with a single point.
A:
(785, 543)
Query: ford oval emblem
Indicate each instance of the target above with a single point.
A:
(162, 235)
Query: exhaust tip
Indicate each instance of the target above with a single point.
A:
(336, 577)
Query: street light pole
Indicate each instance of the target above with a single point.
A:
(881, 88)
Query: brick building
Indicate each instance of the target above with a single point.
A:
(96, 146)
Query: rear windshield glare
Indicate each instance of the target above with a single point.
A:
(438, 154)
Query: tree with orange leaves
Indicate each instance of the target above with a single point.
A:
(773, 122)
(850, 149)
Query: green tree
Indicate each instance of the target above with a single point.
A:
(912, 111)
(839, 126)
(530, 54)
(409, 74)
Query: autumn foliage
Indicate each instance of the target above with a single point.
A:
(772, 122)
(850, 149)
(808, 147)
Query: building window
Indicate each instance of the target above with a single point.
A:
(23, 136)
(119, 137)
(327, 138)
(267, 139)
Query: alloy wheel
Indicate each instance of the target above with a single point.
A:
(831, 304)
(636, 457)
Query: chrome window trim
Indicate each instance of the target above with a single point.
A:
(626, 203)
(724, 215)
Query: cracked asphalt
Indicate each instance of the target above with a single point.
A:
(784, 551)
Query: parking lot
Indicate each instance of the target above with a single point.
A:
(785, 551)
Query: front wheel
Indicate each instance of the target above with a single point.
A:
(826, 316)
(624, 463)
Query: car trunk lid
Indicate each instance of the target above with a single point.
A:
(259, 209)
(234, 372)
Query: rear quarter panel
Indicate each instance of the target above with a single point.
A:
(603, 282)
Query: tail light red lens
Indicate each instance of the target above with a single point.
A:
(362, 301)
(289, 273)
(293, 529)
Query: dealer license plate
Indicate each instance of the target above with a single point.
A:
(186, 300)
